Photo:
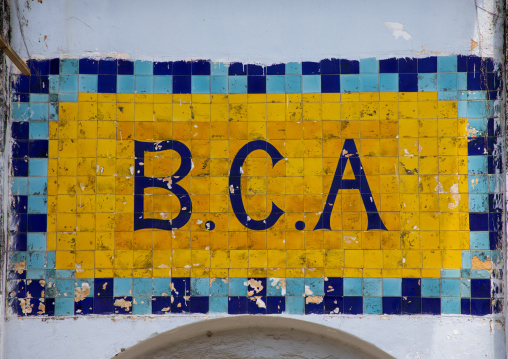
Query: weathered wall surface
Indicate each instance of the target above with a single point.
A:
(338, 163)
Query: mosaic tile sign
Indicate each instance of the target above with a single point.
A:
(332, 187)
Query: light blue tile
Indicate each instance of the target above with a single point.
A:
(200, 287)
(372, 305)
(39, 97)
(39, 111)
(294, 84)
(349, 83)
(484, 255)
(65, 288)
(219, 84)
(37, 204)
(478, 126)
(462, 81)
(427, 82)
(19, 186)
(54, 85)
(64, 273)
(392, 287)
(311, 83)
(295, 287)
(218, 305)
(143, 84)
(294, 68)
(237, 287)
(125, 83)
(39, 131)
(430, 287)
(316, 285)
(69, 66)
(38, 186)
(275, 84)
(450, 306)
(372, 287)
(497, 256)
(477, 95)
(238, 84)
(480, 274)
(353, 286)
(369, 66)
(20, 111)
(36, 241)
(218, 68)
(50, 259)
(479, 184)
(36, 274)
(37, 260)
(450, 273)
(461, 109)
(88, 83)
(462, 95)
(295, 305)
(143, 67)
(447, 63)
(477, 109)
(85, 283)
(447, 96)
(495, 183)
(64, 307)
(161, 286)
(275, 287)
(450, 287)
(141, 305)
(200, 84)
(68, 83)
(478, 202)
(389, 82)
(163, 84)
(37, 167)
(142, 286)
(122, 287)
(447, 82)
(369, 83)
(466, 260)
(219, 287)
(69, 97)
(479, 240)
(477, 165)
(465, 287)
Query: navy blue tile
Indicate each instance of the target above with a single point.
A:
(199, 304)
(38, 67)
(494, 81)
(182, 68)
(474, 64)
(19, 149)
(20, 97)
(201, 67)
(122, 309)
(181, 84)
(334, 286)
(163, 68)
(16, 274)
(315, 308)
(108, 67)
(330, 83)
(495, 201)
(478, 221)
(161, 304)
(126, 67)
(49, 304)
(427, 64)
(480, 288)
(54, 66)
(276, 69)
(487, 64)
(19, 203)
(38, 149)
(180, 286)
(411, 287)
(84, 306)
(19, 130)
(257, 287)
(39, 84)
(35, 289)
(19, 167)
(237, 68)
(103, 287)
(497, 306)
(389, 66)
(408, 65)
(256, 305)
(20, 83)
(88, 66)
(275, 305)
(353, 305)
(237, 305)
(103, 305)
(465, 306)
(476, 146)
(17, 288)
(37, 223)
(431, 306)
(495, 222)
(22, 224)
(256, 84)
(475, 81)
(408, 82)
(330, 66)
(255, 70)
(495, 164)
(411, 305)
(392, 305)
(480, 307)
(349, 67)
(493, 127)
(15, 306)
(461, 63)
(18, 242)
(180, 304)
(494, 146)
(107, 84)
(495, 239)
(311, 68)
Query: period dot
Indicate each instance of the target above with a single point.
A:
(300, 225)
(210, 225)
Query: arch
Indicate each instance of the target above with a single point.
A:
(254, 337)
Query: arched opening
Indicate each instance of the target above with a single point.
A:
(254, 337)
